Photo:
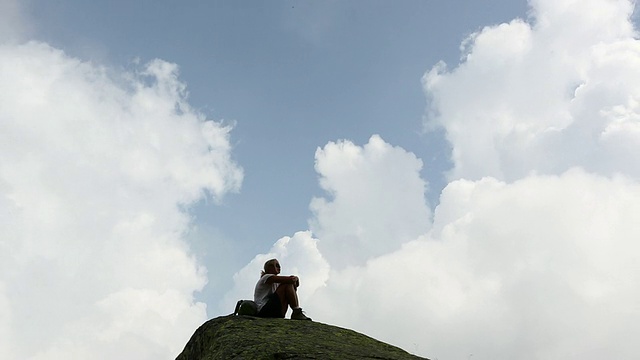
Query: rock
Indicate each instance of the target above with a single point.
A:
(246, 337)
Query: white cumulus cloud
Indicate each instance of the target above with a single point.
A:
(97, 170)
(541, 268)
(543, 97)
(376, 200)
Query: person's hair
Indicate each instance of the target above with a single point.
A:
(269, 262)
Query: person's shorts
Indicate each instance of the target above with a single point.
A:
(273, 308)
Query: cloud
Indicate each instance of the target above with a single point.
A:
(531, 250)
(540, 268)
(97, 170)
(543, 97)
(376, 200)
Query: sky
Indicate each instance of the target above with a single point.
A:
(454, 178)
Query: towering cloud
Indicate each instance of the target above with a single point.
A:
(376, 200)
(531, 251)
(546, 96)
(96, 171)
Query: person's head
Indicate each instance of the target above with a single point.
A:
(271, 267)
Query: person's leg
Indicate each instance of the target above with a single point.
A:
(288, 297)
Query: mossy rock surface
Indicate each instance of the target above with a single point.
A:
(246, 337)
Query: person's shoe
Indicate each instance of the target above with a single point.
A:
(298, 314)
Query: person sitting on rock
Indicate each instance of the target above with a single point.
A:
(274, 293)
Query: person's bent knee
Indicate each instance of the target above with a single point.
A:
(283, 289)
(287, 286)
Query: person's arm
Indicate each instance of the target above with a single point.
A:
(284, 280)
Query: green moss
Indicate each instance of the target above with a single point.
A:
(245, 337)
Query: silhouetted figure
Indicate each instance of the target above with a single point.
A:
(274, 293)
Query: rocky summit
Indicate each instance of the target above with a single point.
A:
(246, 337)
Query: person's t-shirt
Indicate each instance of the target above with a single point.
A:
(263, 290)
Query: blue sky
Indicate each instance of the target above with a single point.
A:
(464, 157)
(291, 76)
